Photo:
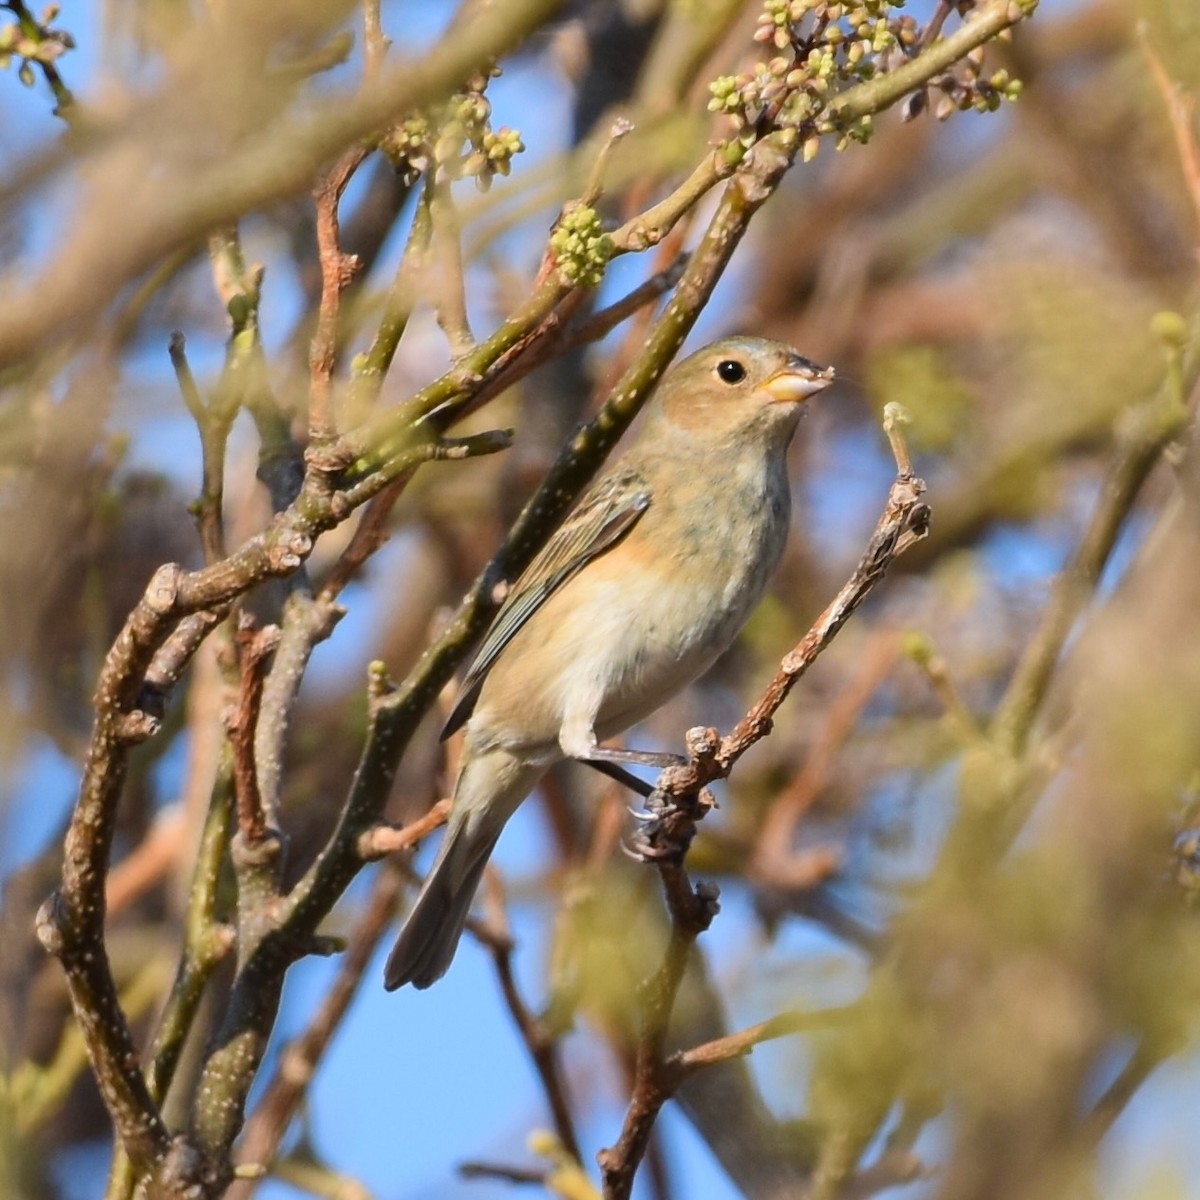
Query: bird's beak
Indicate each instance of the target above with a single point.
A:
(798, 383)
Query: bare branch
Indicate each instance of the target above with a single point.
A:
(538, 1037)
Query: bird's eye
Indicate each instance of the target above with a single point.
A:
(729, 370)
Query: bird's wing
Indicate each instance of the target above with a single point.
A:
(603, 517)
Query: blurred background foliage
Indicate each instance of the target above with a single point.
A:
(977, 879)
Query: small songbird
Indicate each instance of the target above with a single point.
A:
(648, 580)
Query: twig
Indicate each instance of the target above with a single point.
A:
(539, 1039)
(206, 942)
(890, 1170)
(905, 520)
(934, 27)
(602, 322)
(1142, 435)
(213, 426)
(70, 924)
(172, 657)
(556, 334)
(474, 1169)
(737, 1044)
(188, 388)
(310, 1177)
(621, 128)
(448, 283)
(369, 535)
(337, 273)
(395, 473)
(927, 659)
(381, 840)
(1181, 110)
(254, 646)
(206, 939)
(35, 1092)
(40, 33)
(773, 861)
(245, 379)
(1141, 1065)
(397, 308)
(375, 41)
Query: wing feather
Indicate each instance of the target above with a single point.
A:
(603, 517)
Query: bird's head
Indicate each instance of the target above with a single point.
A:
(741, 385)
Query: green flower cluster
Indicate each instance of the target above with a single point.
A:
(457, 139)
(968, 90)
(780, 19)
(825, 48)
(581, 246)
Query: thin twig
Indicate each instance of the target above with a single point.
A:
(1181, 111)
(1112, 1103)
(539, 1039)
(904, 521)
(934, 667)
(475, 1169)
(213, 424)
(337, 273)
(737, 1044)
(369, 535)
(773, 859)
(600, 323)
(188, 388)
(375, 41)
(1142, 435)
(397, 308)
(381, 840)
(621, 128)
(448, 283)
(254, 646)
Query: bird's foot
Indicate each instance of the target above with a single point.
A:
(666, 826)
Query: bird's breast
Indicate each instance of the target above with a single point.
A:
(641, 622)
(698, 568)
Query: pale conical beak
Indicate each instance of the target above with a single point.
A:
(798, 383)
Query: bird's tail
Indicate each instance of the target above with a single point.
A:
(490, 786)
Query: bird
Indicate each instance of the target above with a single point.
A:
(646, 582)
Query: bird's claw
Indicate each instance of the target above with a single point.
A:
(666, 830)
(658, 806)
(641, 850)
